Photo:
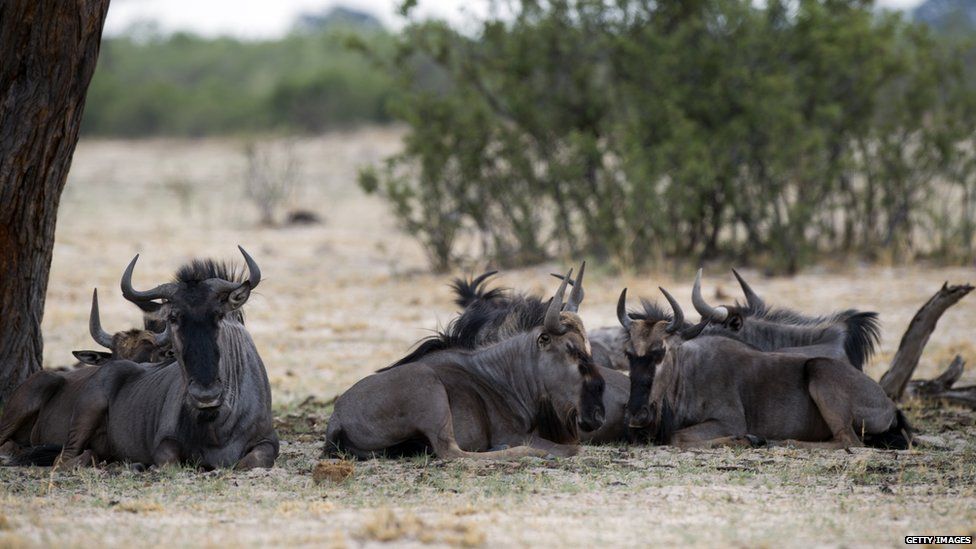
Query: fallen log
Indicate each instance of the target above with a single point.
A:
(916, 336)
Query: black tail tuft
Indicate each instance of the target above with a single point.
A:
(44, 455)
(897, 437)
(863, 336)
(469, 291)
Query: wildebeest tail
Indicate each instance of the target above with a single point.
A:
(469, 291)
(44, 455)
(897, 437)
(863, 336)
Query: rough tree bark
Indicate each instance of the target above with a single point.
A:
(48, 50)
(916, 336)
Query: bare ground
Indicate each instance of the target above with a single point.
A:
(342, 299)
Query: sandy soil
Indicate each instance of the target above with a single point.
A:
(344, 298)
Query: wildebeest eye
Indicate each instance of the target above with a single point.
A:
(544, 339)
(735, 323)
(173, 317)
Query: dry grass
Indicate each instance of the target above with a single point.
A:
(332, 470)
(342, 299)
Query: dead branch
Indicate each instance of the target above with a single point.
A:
(940, 388)
(916, 336)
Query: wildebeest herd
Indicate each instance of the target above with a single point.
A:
(512, 375)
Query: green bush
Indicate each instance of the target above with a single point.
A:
(188, 85)
(634, 131)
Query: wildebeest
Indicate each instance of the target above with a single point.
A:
(712, 390)
(490, 316)
(527, 394)
(848, 335)
(211, 406)
(135, 345)
(38, 413)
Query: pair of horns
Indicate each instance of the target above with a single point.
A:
(552, 323)
(720, 313)
(166, 291)
(105, 339)
(677, 318)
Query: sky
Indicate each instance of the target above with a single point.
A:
(271, 18)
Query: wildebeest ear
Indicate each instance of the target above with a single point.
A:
(238, 296)
(692, 332)
(92, 357)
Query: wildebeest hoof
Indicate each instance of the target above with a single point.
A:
(137, 467)
(752, 440)
(84, 459)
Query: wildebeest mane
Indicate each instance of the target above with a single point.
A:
(483, 322)
(199, 270)
(650, 311)
(863, 330)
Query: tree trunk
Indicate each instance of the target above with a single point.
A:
(48, 50)
(916, 336)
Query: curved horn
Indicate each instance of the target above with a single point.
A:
(707, 311)
(679, 316)
(552, 323)
(752, 298)
(100, 336)
(622, 315)
(576, 294)
(253, 271)
(163, 338)
(163, 291)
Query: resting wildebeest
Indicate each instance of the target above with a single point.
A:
(211, 406)
(135, 345)
(849, 335)
(528, 393)
(489, 316)
(712, 390)
(38, 413)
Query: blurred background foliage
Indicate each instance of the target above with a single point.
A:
(311, 80)
(776, 132)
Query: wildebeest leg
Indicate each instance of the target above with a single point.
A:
(262, 455)
(84, 459)
(166, 453)
(27, 401)
(441, 435)
(558, 450)
(88, 414)
(710, 434)
(836, 392)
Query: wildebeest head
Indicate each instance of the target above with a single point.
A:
(564, 354)
(851, 333)
(195, 306)
(134, 345)
(648, 340)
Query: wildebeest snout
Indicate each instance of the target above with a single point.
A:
(640, 419)
(207, 397)
(593, 420)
